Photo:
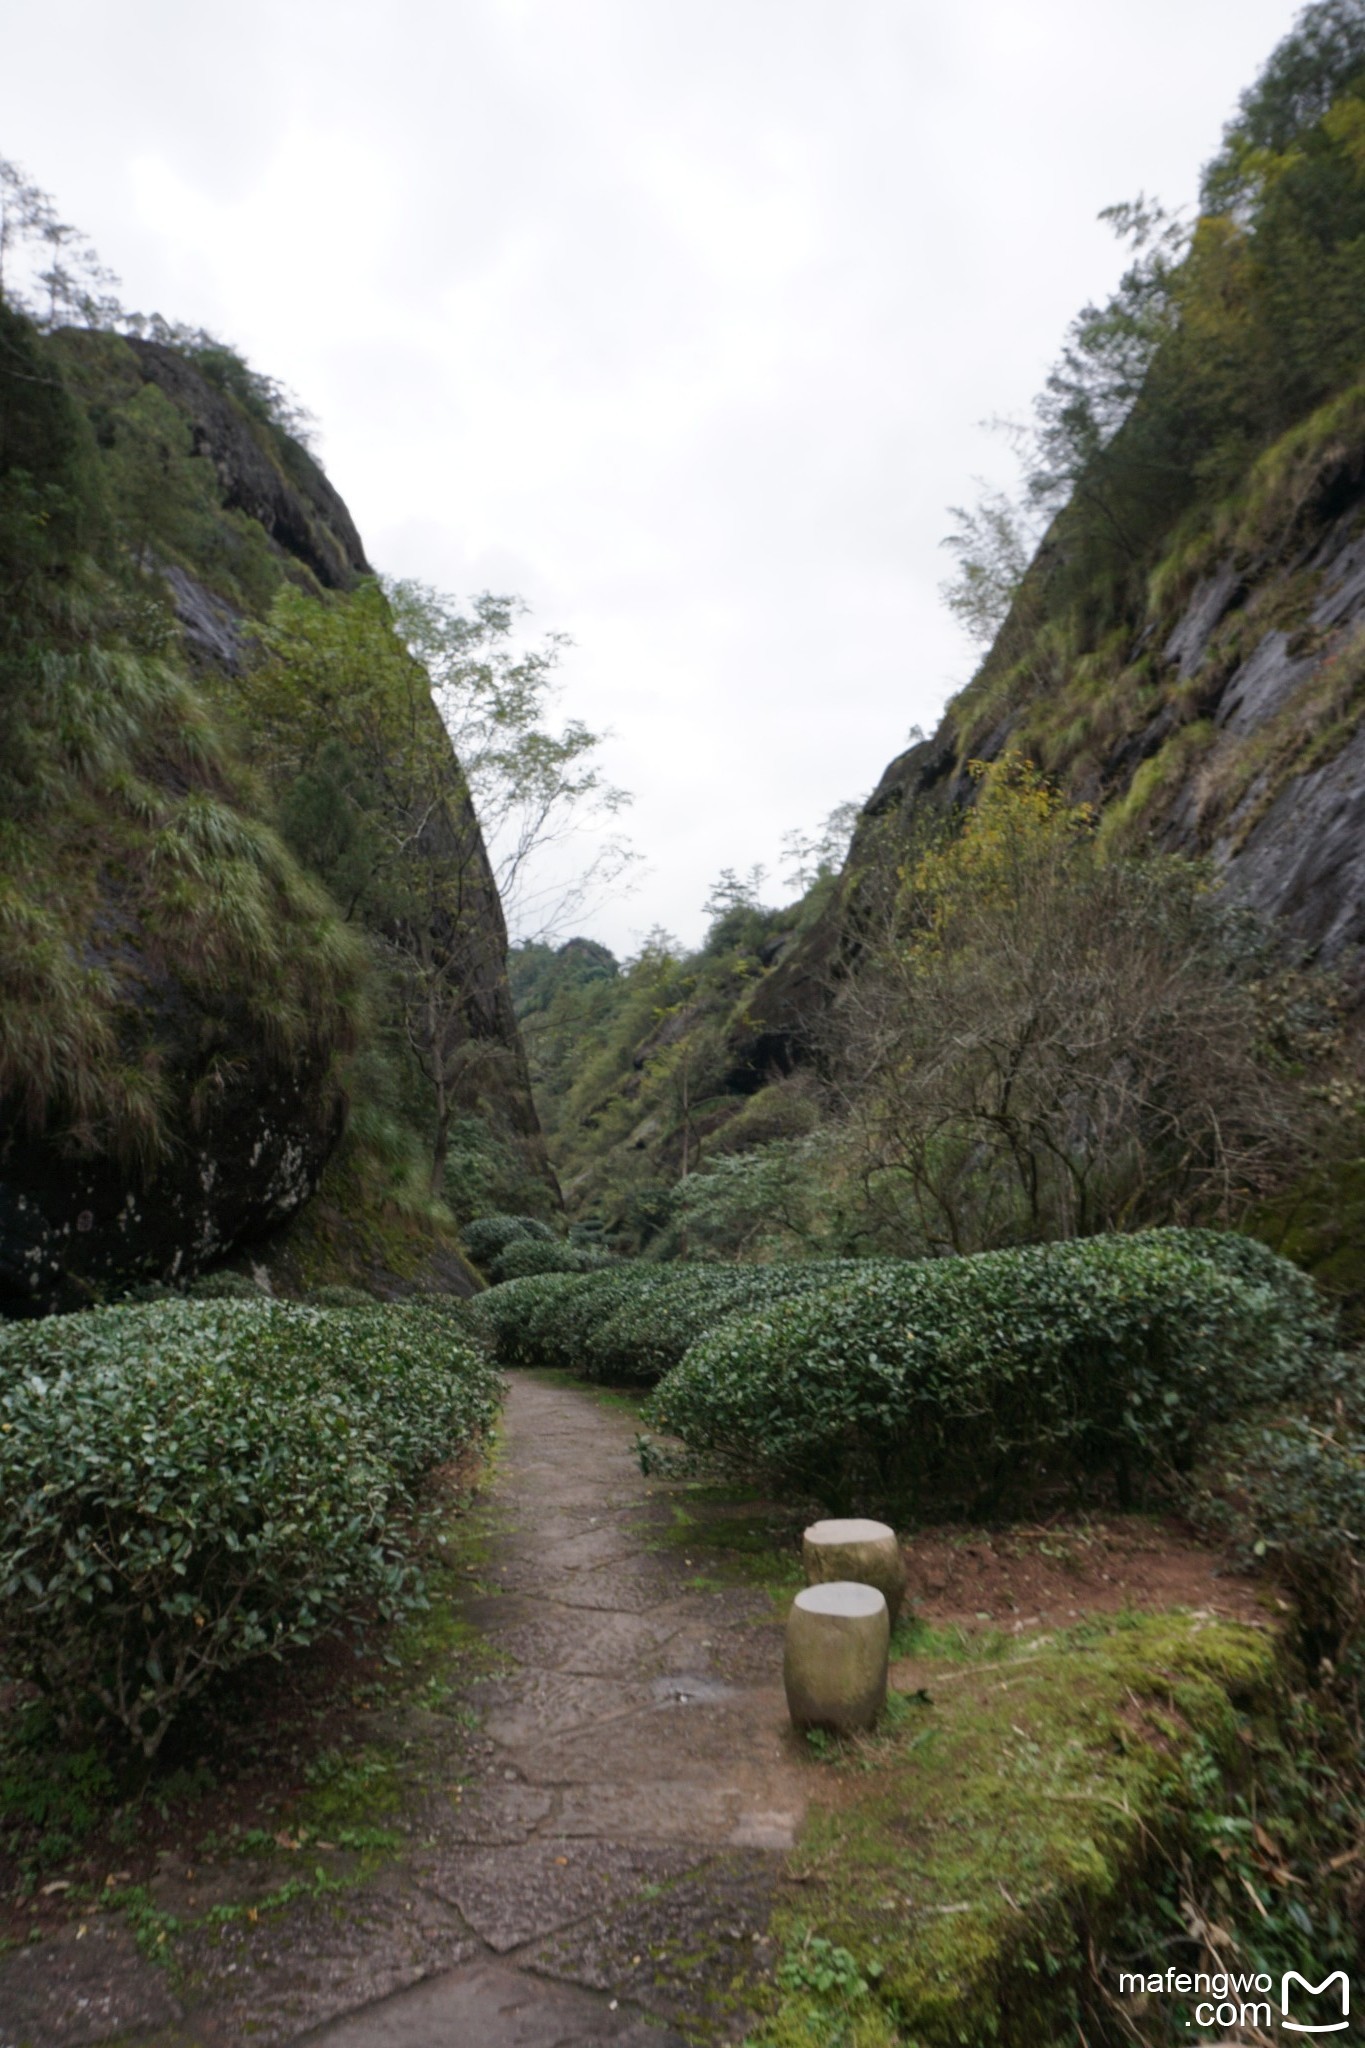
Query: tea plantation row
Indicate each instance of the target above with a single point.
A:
(185, 1485)
(188, 1484)
(951, 1382)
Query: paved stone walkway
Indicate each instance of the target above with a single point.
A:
(603, 1872)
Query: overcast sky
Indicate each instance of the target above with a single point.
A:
(678, 317)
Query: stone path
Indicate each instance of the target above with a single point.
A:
(602, 1871)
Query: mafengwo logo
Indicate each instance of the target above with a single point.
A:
(1245, 1999)
(1326, 2007)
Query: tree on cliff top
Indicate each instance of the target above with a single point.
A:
(533, 787)
(48, 267)
(1221, 334)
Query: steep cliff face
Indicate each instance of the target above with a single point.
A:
(185, 1012)
(1274, 788)
(78, 1225)
(270, 478)
(1224, 718)
(1185, 651)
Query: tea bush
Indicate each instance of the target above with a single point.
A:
(1291, 1489)
(631, 1323)
(527, 1255)
(487, 1236)
(224, 1285)
(187, 1485)
(653, 1328)
(955, 1381)
(545, 1319)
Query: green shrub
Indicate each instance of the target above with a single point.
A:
(544, 1320)
(1305, 1506)
(631, 1323)
(186, 1485)
(1290, 1488)
(527, 1255)
(456, 1311)
(952, 1382)
(487, 1236)
(651, 1329)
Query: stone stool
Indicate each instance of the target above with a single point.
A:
(866, 1552)
(835, 1663)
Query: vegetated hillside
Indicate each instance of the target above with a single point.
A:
(1219, 715)
(209, 1006)
(631, 1068)
(1186, 651)
(990, 1031)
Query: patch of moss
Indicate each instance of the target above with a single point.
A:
(731, 1539)
(963, 1857)
(349, 1790)
(1154, 782)
(1285, 482)
(370, 1224)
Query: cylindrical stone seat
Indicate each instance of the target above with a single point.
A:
(835, 1663)
(866, 1552)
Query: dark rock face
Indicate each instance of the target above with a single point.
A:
(215, 635)
(1202, 617)
(784, 1015)
(72, 1230)
(1303, 863)
(1294, 852)
(486, 1026)
(253, 1107)
(1292, 849)
(302, 513)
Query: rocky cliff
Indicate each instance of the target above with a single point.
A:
(1225, 720)
(187, 1016)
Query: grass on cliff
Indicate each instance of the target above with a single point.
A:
(1075, 694)
(150, 916)
(165, 498)
(160, 931)
(136, 840)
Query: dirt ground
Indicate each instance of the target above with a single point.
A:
(1053, 1575)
